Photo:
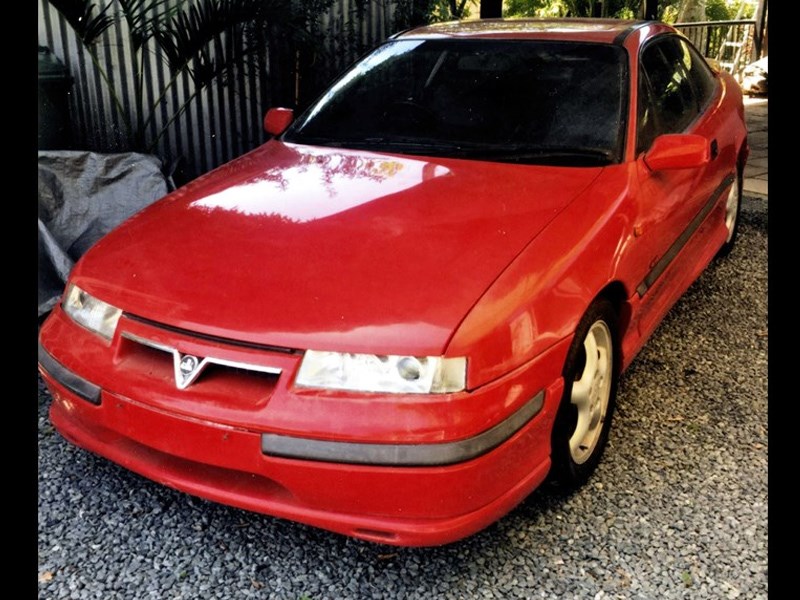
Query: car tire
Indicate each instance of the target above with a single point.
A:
(733, 210)
(583, 420)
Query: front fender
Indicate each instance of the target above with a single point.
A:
(540, 297)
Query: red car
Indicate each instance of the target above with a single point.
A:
(396, 318)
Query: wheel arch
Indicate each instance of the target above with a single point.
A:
(741, 158)
(617, 294)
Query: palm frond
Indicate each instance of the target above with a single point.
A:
(187, 37)
(144, 16)
(80, 15)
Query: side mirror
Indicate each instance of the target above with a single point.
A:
(678, 151)
(277, 120)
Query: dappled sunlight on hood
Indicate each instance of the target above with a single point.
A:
(321, 184)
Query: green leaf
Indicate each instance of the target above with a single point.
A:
(144, 16)
(192, 38)
(80, 15)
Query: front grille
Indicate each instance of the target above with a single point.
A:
(154, 364)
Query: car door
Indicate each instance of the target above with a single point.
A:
(673, 97)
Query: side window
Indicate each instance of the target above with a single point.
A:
(700, 74)
(674, 101)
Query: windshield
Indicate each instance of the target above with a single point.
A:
(526, 101)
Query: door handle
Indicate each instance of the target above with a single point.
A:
(714, 149)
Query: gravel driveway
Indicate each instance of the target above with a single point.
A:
(677, 509)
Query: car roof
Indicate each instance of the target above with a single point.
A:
(586, 30)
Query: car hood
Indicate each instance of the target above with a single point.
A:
(311, 247)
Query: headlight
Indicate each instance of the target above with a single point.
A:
(93, 314)
(371, 373)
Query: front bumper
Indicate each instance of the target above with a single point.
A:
(236, 452)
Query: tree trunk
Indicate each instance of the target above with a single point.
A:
(650, 10)
(491, 9)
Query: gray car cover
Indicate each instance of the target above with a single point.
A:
(83, 196)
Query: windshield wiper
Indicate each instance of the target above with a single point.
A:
(410, 145)
(513, 153)
(540, 154)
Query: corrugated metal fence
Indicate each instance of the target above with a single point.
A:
(222, 121)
